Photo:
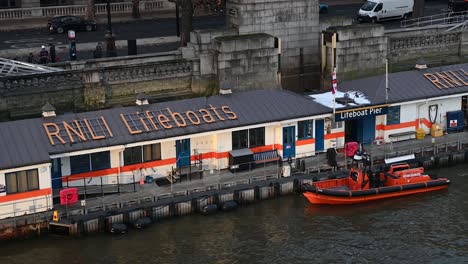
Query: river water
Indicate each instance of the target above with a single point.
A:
(423, 228)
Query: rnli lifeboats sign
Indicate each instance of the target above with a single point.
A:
(448, 79)
(361, 113)
(75, 131)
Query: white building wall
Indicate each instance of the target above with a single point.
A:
(223, 147)
(38, 202)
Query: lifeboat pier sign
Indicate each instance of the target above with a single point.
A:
(362, 112)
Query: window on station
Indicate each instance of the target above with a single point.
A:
(393, 116)
(142, 154)
(305, 129)
(338, 124)
(90, 162)
(22, 181)
(250, 138)
(257, 137)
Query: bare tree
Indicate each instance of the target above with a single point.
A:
(186, 19)
(90, 10)
(136, 9)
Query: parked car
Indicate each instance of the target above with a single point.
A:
(62, 24)
(323, 8)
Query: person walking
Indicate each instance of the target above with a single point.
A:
(43, 55)
(31, 58)
(98, 51)
(53, 55)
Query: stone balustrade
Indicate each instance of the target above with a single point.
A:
(79, 10)
(424, 41)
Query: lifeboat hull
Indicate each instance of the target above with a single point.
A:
(325, 196)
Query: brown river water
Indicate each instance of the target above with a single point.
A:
(422, 228)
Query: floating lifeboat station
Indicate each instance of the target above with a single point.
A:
(55, 159)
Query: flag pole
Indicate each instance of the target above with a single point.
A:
(334, 92)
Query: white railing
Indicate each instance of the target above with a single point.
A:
(80, 10)
(439, 19)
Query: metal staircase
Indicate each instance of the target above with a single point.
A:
(15, 68)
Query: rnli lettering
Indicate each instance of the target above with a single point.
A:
(448, 79)
(75, 131)
(359, 113)
(168, 119)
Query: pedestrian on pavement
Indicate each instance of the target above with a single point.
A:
(43, 55)
(98, 51)
(53, 57)
(31, 57)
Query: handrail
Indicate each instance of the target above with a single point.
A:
(80, 10)
(439, 19)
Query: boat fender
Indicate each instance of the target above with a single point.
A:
(229, 205)
(389, 189)
(209, 209)
(438, 183)
(363, 192)
(413, 186)
(335, 193)
(142, 222)
(118, 229)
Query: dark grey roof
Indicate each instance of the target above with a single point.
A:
(25, 142)
(405, 86)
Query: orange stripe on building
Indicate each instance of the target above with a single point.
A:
(334, 135)
(25, 195)
(397, 126)
(263, 148)
(307, 141)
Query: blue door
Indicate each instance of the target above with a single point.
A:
(183, 152)
(56, 172)
(368, 130)
(289, 142)
(319, 131)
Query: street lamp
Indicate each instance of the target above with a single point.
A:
(109, 24)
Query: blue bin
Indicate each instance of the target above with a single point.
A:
(455, 121)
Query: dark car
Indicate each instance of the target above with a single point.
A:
(62, 24)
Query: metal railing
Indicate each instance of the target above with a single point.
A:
(439, 19)
(31, 208)
(80, 10)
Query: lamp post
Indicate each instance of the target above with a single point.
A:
(109, 23)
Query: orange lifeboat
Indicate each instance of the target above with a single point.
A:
(361, 186)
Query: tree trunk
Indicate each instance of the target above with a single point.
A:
(90, 10)
(418, 8)
(136, 9)
(186, 16)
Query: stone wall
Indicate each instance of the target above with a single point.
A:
(247, 62)
(295, 24)
(435, 45)
(361, 50)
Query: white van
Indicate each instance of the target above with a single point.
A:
(379, 10)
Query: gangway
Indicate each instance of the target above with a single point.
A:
(451, 18)
(14, 68)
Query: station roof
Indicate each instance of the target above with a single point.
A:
(412, 85)
(33, 141)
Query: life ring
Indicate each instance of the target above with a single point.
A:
(69, 196)
(289, 160)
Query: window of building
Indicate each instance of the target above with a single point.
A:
(239, 139)
(10, 4)
(251, 138)
(338, 124)
(22, 181)
(256, 137)
(142, 154)
(393, 116)
(305, 129)
(90, 162)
